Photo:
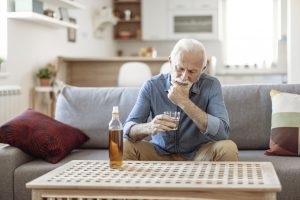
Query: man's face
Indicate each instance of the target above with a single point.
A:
(187, 67)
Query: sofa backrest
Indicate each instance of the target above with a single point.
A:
(249, 109)
(89, 109)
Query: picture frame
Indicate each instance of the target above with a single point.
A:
(64, 15)
(71, 31)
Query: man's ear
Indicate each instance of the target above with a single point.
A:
(204, 68)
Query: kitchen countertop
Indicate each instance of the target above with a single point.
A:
(239, 72)
(113, 59)
(100, 71)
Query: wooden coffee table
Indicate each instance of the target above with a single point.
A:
(94, 180)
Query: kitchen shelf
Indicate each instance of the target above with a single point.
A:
(239, 72)
(40, 19)
(127, 1)
(129, 21)
(129, 39)
(133, 25)
(65, 4)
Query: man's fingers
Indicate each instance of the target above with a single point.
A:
(164, 119)
(162, 123)
(165, 125)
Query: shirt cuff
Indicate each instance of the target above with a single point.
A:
(127, 128)
(213, 124)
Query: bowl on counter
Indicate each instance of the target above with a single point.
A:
(125, 35)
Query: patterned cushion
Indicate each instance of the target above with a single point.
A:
(41, 136)
(285, 138)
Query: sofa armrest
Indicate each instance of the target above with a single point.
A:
(10, 159)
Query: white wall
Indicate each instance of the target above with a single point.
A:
(293, 41)
(31, 46)
(3, 33)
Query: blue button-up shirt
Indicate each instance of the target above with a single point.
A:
(153, 100)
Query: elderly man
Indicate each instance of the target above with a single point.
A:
(203, 125)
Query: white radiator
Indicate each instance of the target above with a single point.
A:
(10, 102)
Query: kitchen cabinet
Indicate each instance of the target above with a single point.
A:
(45, 20)
(128, 26)
(199, 19)
(176, 19)
(100, 72)
(154, 15)
(253, 77)
(206, 4)
(179, 4)
(193, 4)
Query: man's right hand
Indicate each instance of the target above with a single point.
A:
(160, 123)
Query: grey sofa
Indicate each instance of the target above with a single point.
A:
(89, 109)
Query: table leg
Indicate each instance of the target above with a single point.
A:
(52, 98)
(33, 98)
(36, 195)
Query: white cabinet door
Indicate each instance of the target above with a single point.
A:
(197, 19)
(180, 4)
(154, 19)
(206, 4)
(196, 24)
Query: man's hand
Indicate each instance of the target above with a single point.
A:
(179, 92)
(160, 123)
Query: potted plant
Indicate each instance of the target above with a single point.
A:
(46, 74)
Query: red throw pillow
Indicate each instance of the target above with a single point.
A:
(41, 136)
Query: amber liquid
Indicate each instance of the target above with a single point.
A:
(115, 148)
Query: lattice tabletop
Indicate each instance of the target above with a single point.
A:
(245, 176)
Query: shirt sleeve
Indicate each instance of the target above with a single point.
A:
(140, 111)
(217, 120)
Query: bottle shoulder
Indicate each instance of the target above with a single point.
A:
(115, 123)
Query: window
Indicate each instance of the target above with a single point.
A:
(251, 30)
(3, 30)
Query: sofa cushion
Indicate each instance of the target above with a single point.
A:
(41, 136)
(36, 168)
(10, 158)
(286, 167)
(89, 109)
(285, 124)
(249, 109)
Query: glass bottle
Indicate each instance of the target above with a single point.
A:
(115, 129)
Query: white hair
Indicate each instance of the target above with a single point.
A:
(190, 46)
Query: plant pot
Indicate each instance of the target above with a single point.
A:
(44, 81)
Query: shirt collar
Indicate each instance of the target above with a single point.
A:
(167, 84)
(195, 87)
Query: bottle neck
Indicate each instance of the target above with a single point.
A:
(115, 115)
